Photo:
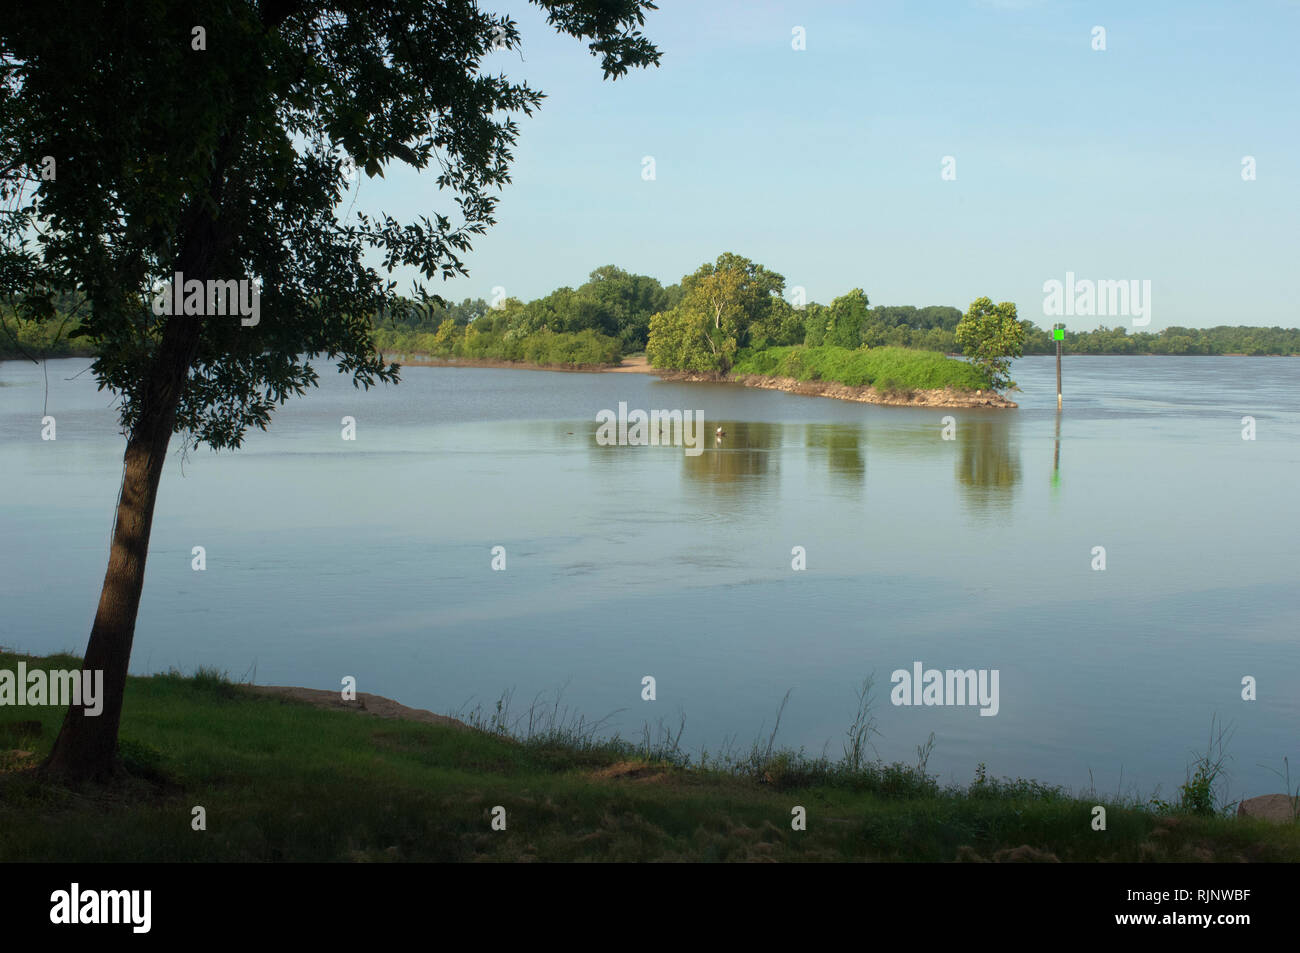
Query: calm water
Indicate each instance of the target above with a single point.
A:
(372, 558)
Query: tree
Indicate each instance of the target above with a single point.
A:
(937, 316)
(849, 316)
(679, 339)
(624, 302)
(445, 336)
(222, 157)
(990, 335)
(782, 327)
(721, 302)
(816, 318)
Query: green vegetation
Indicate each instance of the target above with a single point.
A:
(284, 781)
(732, 317)
(727, 305)
(612, 304)
(991, 336)
(545, 347)
(594, 325)
(44, 334)
(1223, 339)
(618, 305)
(39, 339)
(884, 368)
(1199, 794)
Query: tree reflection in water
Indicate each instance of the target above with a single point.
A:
(988, 465)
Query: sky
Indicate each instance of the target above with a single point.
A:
(826, 164)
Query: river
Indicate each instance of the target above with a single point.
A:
(372, 557)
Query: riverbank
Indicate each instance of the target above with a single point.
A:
(638, 364)
(283, 779)
(424, 360)
(946, 397)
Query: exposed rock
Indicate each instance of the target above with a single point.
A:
(1278, 808)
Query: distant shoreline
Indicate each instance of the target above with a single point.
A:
(423, 360)
(635, 365)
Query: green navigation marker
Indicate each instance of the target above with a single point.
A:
(1058, 334)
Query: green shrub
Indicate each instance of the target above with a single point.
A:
(885, 368)
(541, 347)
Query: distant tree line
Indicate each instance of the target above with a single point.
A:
(1223, 339)
(849, 322)
(37, 335)
(743, 301)
(703, 322)
(613, 303)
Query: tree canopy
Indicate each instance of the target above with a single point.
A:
(722, 303)
(991, 336)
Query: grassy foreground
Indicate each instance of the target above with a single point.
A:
(283, 781)
(884, 368)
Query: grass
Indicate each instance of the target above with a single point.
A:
(283, 781)
(887, 369)
(1200, 793)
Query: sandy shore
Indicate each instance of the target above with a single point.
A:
(634, 365)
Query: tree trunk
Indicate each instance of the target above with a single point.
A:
(86, 748)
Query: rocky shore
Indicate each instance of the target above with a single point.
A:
(946, 397)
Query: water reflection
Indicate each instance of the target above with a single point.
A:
(988, 465)
(744, 456)
(744, 461)
(840, 446)
(1056, 456)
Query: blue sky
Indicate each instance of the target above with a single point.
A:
(824, 164)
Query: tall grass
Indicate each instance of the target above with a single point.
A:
(884, 368)
(1292, 792)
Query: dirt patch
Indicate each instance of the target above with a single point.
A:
(1024, 854)
(15, 760)
(630, 771)
(633, 365)
(365, 703)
